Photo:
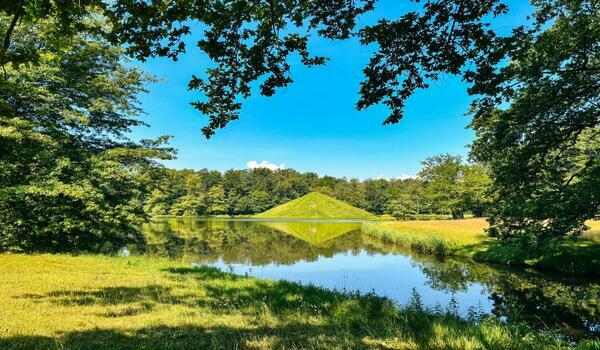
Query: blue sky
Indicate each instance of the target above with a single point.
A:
(313, 125)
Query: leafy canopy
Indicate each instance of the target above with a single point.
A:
(538, 127)
(70, 180)
(455, 187)
(251, 42)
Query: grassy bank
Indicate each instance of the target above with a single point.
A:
(467, 238)
(97, 302)
(441, 237)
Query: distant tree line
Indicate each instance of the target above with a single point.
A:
(446, 185)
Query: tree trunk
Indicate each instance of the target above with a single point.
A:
(458, 215)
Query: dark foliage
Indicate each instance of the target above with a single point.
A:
(69, 179)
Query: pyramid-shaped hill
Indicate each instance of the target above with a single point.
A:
(316, 205)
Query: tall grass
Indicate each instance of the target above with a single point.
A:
(593, 233)
(467, 231)
(440, 237)
(431, 244)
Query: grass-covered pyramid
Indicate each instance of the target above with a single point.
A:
(316, 205)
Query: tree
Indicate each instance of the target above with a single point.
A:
(351, 192)
(69, 179)
(377, 195)
(289, 185)
(410, 202)
(157, 203)
(537, 126)
(402, 208)
(259, 201)
(477, 182)
(190, 205)
(324, 190)
(248, 192)
(454, 187)
(252, 41)
(215, 199)
(444, 183)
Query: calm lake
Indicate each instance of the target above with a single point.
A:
(336, 255)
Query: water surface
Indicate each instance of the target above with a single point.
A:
(337, 255)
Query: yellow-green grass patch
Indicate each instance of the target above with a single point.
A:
(467, 231)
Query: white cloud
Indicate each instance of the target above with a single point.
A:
(265, 164)
(401, 177)
(406, 177)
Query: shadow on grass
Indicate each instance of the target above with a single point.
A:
(166, 337)
(278, 297)
(275, 315)
(108, 296)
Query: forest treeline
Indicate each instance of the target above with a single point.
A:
(445, 186)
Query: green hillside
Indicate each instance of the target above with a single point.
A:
(316, 205)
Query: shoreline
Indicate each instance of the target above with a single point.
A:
(579, 258)
(102, 302)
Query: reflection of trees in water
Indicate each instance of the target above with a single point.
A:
(566, 304)
(572, 306)
(249, 242)
(569, 305)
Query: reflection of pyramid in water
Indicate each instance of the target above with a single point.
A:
(314, 233)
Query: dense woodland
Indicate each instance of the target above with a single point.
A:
(445, 186)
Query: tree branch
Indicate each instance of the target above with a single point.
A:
(9, 31)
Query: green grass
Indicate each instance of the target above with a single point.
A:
(461, 232)
(440, 237)
(316, 205)
(98, 302)
(467, 238)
